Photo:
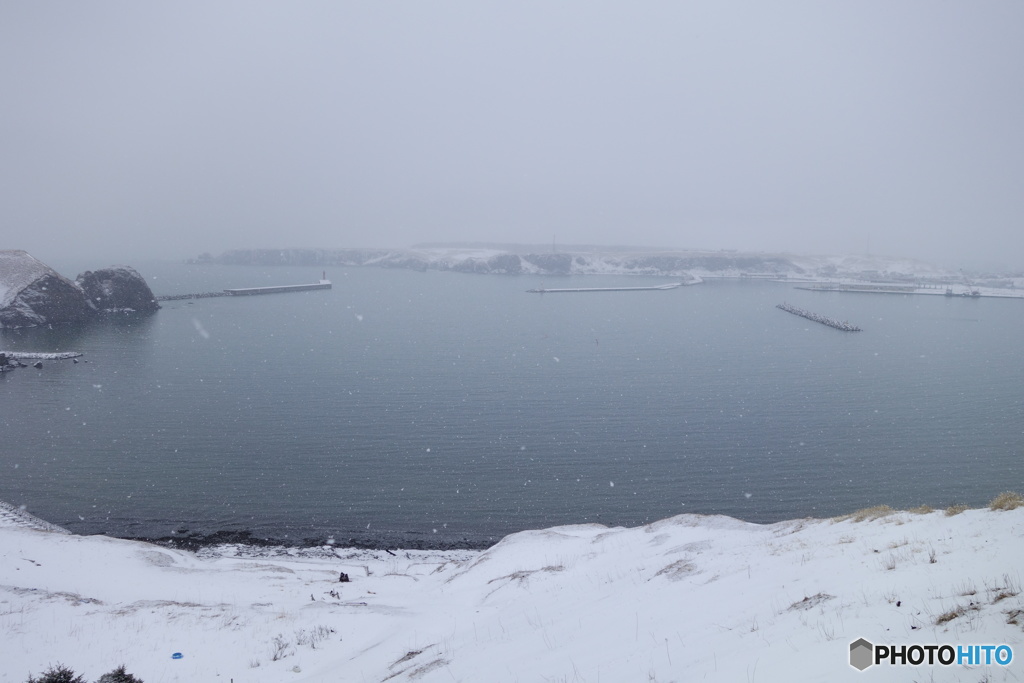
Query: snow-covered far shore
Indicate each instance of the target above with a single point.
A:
(684, 599)
(593, 260)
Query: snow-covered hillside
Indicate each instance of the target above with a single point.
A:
(506, 259)
(690, 598)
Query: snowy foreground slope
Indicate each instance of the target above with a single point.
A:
(685, 599)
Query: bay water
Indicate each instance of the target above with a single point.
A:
(438, 409)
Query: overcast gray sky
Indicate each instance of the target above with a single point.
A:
(165, 129)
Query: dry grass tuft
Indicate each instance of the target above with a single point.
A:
(967, 588)
(810, 602)
(956, 510)
(1008, 500)
(952, 614)
(867, 514)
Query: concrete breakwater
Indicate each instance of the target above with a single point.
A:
(824, 320)
(671, 285)
(200, 295)
(248, 291)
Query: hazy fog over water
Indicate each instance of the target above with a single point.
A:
(141, 130)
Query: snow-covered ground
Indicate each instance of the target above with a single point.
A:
(689, 598)
(879, 265)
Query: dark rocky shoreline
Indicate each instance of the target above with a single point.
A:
(194, 541)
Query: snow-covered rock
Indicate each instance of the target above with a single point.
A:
(32, 293)
(117, 288)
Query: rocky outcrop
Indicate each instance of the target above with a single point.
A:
(117, 289)
(32, 293)
(505, 264)
(551, 264)
(408, 262)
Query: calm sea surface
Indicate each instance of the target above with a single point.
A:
(433, 407)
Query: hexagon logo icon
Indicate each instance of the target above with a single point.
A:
(861, 654)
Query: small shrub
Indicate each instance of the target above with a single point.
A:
(1009, 590)
(1008, 500)
(952, 614)
(922, 510)
(57, 674)
(953, 510)
(280, 648)
(119, 675)
(967, 588)
(810, 602)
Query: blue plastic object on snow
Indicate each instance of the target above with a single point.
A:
(177, 655)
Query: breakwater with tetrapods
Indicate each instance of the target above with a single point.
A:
(824, 320)
(199, 295)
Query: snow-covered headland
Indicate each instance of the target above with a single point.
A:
(834, 273)
(591, 260)
(684, 599)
